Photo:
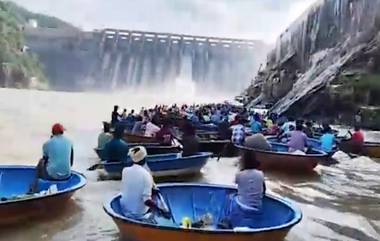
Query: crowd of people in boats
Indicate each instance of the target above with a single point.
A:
(166, 124)
(249, 128)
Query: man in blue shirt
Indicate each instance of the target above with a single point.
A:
(117, 149)
(327, 140)
(256, 126)
(58, 157)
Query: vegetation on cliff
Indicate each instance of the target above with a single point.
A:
(17, 68)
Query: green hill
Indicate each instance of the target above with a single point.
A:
(18, 69)
(22, 16)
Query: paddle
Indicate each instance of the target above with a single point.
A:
(222, 152)
(164, 204)
(95, 167)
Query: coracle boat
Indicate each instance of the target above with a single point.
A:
(312, 142)
(191, 202)
(151, 148)
(280, 159)
(16, 205)
(166, 164)
(131, 138)
(223, 148)
(370, 149)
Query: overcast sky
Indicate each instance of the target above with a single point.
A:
(255, 19)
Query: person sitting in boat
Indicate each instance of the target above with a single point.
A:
(137, 189)
(309, 129)
(258, 141)
(327, 140)
(138, 126)
(251, 190)
(224, 131)
(124, 115)
(190, 142)
(58, 157)
(166, 135)
(357, 140)
(256, 126)
(298, 139)
(105, 136)
(115, 116)
(151, 129)
(238, 133)
(117, 149)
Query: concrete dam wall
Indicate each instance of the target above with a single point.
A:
(117, 59)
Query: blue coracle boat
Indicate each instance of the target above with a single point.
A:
(312, 142)
(194, 201)
(16, 205)
(172, 164)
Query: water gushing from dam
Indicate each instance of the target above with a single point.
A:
(119, 59)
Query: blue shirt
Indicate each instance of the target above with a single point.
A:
(256, 127)
(116, 151)
(327, 142)
(58, 151)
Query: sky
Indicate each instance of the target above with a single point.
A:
(252, 19)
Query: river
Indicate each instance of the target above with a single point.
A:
(338, 203)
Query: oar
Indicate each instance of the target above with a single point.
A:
(95, 167)
(164, 204)
(222, 152)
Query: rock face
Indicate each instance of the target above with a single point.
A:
(322, 58)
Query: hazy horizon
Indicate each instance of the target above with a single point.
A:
(252, 19)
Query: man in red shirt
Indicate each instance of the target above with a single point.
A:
(357, 141)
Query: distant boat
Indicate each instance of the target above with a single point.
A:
(166, 164)
(131, 138)
(194, 201)
(280, 159)
(152, 149)
(312, 142)
(370, 149)
(16, 206)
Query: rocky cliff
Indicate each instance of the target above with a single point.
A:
(326, 63)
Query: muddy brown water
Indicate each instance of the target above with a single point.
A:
(340, 202)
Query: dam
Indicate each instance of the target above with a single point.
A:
(111, 59)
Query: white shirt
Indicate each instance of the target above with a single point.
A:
(136, 189)
(151, 129)
(250, 188)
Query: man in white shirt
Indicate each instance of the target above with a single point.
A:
(136, 190)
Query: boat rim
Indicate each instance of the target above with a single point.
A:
(320, 153)
(74, 188)
(167, 158)
(296, 219)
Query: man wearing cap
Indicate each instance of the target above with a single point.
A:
(58, 156)
(136, 190)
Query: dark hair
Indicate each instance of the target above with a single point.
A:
(299, 127)
(115, 107)
(309, 124)
(119, 131)
(248, 160)
(357, 128)
(106, 127)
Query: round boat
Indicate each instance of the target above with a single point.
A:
(197, 200)
(152, 149)
(312, 142)
(15, 181)
(370, 149)
(223, 148)
(166, 164)
(280, 159)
